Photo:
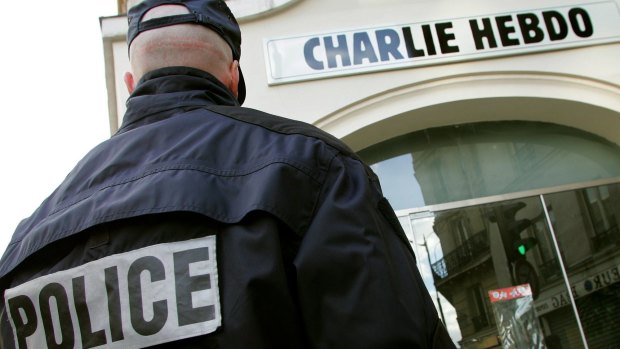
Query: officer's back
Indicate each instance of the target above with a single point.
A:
(205, 224)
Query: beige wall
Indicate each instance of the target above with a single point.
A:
(575, 87)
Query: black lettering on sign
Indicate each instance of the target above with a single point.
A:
(606, 278)
(530, 28)
(479, 34)
(428, 39)
(564, 299)
(186, 284)
(505, 30)
(390, 45)
(121, 301)
(60, 314)
(616, 273)
(412, 51)
(556, 27)
(114, 303)
(597, 282)
(555, 24)
(155, 268)
(580, 22)
(90, 339)
(445, 37)
(24, 325)
(559, 300)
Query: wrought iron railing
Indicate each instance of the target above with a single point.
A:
(462, 255)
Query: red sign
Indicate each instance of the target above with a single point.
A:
(508, 293)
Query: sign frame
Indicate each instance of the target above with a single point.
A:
(403, 46)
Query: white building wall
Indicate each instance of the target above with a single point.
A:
(578, 87)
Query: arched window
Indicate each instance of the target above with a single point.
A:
(476, 160)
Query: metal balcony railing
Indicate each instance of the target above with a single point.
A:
(457, 259)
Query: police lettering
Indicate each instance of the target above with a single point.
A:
(533, 28)
(137, 297)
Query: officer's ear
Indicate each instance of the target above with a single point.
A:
(234, 78)
(129, 82)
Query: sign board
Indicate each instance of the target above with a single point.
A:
(581, 285)
(408, 45)
(510, 293)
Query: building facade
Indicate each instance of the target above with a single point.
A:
(494, 127)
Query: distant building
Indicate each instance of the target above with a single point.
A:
(493, 126)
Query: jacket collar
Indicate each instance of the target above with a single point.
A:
(162, 92)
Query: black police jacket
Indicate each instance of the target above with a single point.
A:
(205, 224)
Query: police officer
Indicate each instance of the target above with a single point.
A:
(202, 224)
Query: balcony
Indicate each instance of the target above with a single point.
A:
(459, 258)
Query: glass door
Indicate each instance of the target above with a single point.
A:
(585, 223)
(495, 276)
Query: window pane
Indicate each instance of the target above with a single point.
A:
(476, 160)
(466, 253)
(586, 225)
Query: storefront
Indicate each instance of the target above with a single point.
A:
(492, 205)
(493, 127)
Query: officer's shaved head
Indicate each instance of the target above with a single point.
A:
(188, 45)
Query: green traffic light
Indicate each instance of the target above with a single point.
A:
(524, 245)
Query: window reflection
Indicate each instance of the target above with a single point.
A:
(557, 255)
(491, 247)
(588, 237)
(465, 253)
(462, 162)
(600, 209)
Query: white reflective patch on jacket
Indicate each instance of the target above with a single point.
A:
(144, 297)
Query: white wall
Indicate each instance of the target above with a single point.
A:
(367, 108)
